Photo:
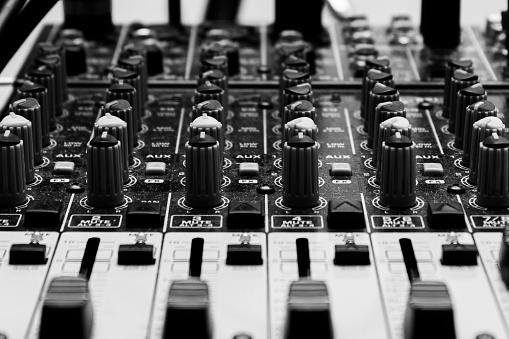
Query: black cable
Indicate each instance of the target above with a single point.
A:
(26, 21)
(8, 15)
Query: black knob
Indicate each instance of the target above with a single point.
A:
(203, 172)
(40, 94)
(123, 110)
(440, 24)
(126, 92)
(31, 110)
(398, 172)
(296, 63)
(299, 92)
(132, 78)
(482, 129)
(12, 170)
(212, 108)
(209, 91)
(298, 109)
(300, 172)
(475, 112)
(453, 65)
(155, 58)
(368, 82)
(54, 64)
(104, 172)
(459, 80)
(466, 97)
(136, 63)
(380, 93)
(48, 50)
(43, 76)
(384, 111)
(493, 173)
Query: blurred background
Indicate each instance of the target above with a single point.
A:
(262, 11)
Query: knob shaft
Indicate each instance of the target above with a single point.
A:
(480, 131)
(104, 172)
(453, 65)
(398, 172)
(493, 172)
(459, 80)
(123, 110)
(12, 171)
(475, 112)
(443, 36)
(39, 93)
(30, 109)
(203, 172)
(117, 128)
(22, 128)
(300, 172)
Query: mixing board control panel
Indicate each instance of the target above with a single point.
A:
(244, 182)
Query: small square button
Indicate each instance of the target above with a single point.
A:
(155, 168)
(431, 169)
(63, 168)
(342, 169)
(249, 169)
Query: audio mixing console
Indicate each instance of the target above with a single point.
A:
(234, 182)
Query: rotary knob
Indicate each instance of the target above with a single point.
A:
(384, 111)
(466, 97)
(386, 129)
(117, 128)
(300, 49)
(295, 63)
(453, 65)
(40, 94)
(290, 78)
(493, 172)
(203, 172)
(227, 48)
(123, 110)
(12, 167)
(297, 93)
(212, 108)
(209, 91)
(372, 77)
(380, 93)
(54, 64)
(293, 127)
(475, 112)
(126, 92)
(48, 50)
(136, 63)
(210, 126)
(398, 172)
(43, 76)
(104, 172)
(482, 129)
(300, 172)
(30, 109)
(215, 77)
(22, 128)
(132, 78)
(298, 109)
(459, 80)
(219, 62)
